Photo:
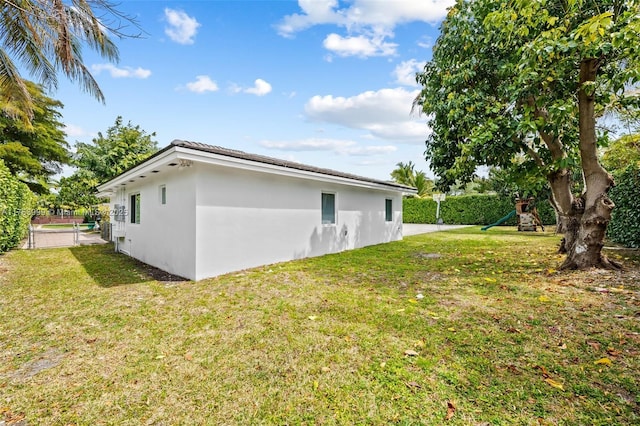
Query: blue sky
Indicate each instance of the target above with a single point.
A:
(324, 82)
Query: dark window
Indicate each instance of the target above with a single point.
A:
(388, 210)
(328, 208)
(135, 208)
(163, 194)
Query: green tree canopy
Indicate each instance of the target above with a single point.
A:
(45, 37)
(528, 79)
(33, 152)
(77, 191)
(622, 153)
(122, 147)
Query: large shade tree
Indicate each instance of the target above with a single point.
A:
(529, 79)
(111, 153)
(36, 151)
(121, 147)
(45, 37)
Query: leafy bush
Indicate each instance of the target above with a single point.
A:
(469, 210)
(624, 227)
(16, 204)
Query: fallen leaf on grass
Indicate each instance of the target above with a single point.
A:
(594, 345)
(613, 352)
(490, 280)
(555, 384)
(603, 361)
(544, 299)
(188, 356)
(313, 317)
(513, 369)
(410, 352)
(543, 370)
(413, 385)
(451, 410)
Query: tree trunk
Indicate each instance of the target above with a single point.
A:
(587, 218)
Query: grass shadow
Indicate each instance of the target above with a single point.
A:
(110, 269)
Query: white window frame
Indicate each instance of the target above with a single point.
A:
(388, 210)
(135, 216)
(162, 195)
(335, 208)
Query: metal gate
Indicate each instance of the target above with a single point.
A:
(44, 238)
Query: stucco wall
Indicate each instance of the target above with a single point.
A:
(246, 219)
(166, 233)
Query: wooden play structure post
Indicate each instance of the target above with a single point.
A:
(528, 218)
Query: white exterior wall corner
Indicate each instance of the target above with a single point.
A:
(248, 218)
(165, 237)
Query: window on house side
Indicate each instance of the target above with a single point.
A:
(135, 208)
(163, 194)
(328, 208)
(388, 210)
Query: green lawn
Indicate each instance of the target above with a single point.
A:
(63, 225)
(461, 327)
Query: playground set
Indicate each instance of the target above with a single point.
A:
(527, 216)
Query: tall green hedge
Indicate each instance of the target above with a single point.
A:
(16, 204)
(624, 227)
(469, 210)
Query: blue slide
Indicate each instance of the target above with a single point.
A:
(503, 220)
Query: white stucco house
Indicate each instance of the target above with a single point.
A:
(198, 211)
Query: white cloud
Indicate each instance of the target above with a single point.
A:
(384, 113)
(337, 146)
(126, 72)
(367, 23)
(202, 84)
(425, 42)
(181, 27)
(361, 45)
(314, 12)
(260, 88)
(74, 131)
(363, 13)
(405, 72)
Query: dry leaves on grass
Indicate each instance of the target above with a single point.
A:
(451, 410)
(548, 379)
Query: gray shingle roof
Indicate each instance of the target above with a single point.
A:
(281, 163)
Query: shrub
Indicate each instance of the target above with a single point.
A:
(624, 227)
(469, 210)
(16, 205)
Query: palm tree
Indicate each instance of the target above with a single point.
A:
(423, 184)
(46, 37)
(405, 174)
